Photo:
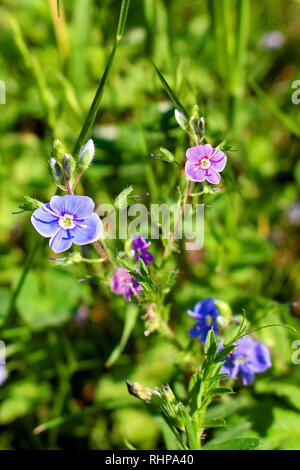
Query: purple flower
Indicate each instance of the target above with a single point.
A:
(205, 163)
(272, 40)
(122, 283)
(206, 314)
(249, 358)
(3, 373)
(140, 245)
(66, 220)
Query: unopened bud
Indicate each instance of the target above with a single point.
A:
(58, 150)
(224, 308)
(125, 198)
(165, 155)
(30, 204)
(181, 120)
(87, 154)
(202, 125)
(54, 170)
(68, 164)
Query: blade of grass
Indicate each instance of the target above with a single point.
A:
(130, 320)
(239, 60)
(171, 93)
(88, 124)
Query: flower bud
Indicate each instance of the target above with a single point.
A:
(68, 164)
(30, 204)
(165, 155)
(224, 308)
(54, 170)
(202, 125)
(58, 150)
(181, 120)
(125, 198)
(87, 154)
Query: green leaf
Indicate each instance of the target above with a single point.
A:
(214, 423)
(234, 444)
(210, 346)
(131, 314)
(220, 391)
(48, 298)
(224, 353)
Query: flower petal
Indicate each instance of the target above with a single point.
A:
(218, 161)
(78, 206)
(212, 176)
(193, 173)
(61, 241)
(195, 331)
(262, 358)
(247, 374)
(193, 154)
(89, 233)
(45, 222)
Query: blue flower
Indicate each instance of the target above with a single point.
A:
(206, 314)
(249, 358)
(66, 220)
(139, 245)
(3, 373)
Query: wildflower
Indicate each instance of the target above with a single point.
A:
(87, 154)
(140, 246)
(205, 163)
(206, 314)
(249, 358)
(124, 284)
(272, 40)
(3, 373)
(66, 220)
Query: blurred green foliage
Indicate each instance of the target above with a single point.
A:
(51, 67)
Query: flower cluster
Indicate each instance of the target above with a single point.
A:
(249, 357)
(121, 281)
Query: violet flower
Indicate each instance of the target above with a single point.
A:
(249, 358)
(140, 245)
(66, 220)
(206, 314)
(204, 163)
(122, 283)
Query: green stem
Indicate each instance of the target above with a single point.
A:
(26, 268)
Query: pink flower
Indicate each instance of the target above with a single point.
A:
(122, 283)
(205, 163)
